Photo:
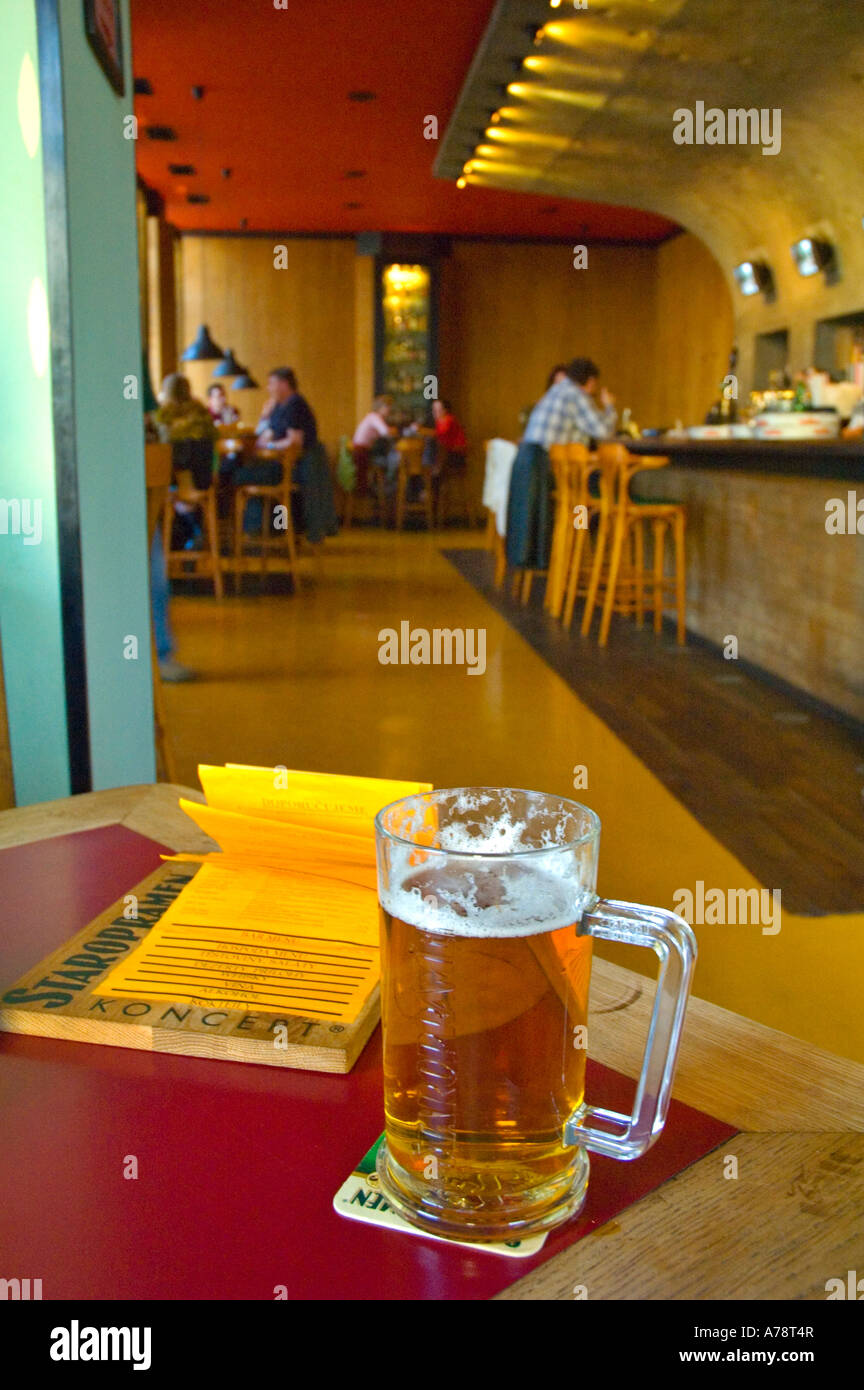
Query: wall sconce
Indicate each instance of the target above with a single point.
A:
(812, 255)
(754, 277)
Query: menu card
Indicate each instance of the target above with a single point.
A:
(285, 918)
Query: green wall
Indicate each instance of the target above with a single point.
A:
(98, 277)
(106, 344)
(30, 620)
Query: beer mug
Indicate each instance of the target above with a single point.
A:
(488, 911)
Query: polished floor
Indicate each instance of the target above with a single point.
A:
(296, 680)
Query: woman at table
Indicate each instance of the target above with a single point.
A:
(180, 416)
(185, 423)
(221, 413)
(373, 439)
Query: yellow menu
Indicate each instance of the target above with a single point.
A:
(285, 919)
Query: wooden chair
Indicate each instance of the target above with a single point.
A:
(192, 563)
(411, 466)
(374, 492)
(494, 541)
(271, 495)
(451, 479)
(158, 467)
(619, 566)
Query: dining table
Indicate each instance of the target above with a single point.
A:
(755, 1190)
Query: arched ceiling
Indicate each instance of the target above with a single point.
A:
(304, 157)
(591, 115)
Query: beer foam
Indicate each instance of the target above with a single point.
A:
(486, 899)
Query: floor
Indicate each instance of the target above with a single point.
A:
(650, 741)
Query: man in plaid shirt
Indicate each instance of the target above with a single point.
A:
(567, 413)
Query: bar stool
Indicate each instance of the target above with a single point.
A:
(191, 563)
(583, 465)
(618, 566)
(271, 495)
(411, 466)
(572, 465)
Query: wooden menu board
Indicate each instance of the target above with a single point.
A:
(57, 999)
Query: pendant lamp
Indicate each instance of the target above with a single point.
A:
(203, 349)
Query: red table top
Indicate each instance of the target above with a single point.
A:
(237, 1163)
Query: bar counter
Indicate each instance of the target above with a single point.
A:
(761, 564)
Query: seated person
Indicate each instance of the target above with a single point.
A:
(576, 410)
(372, 439)
(287, 417)
(221, 412)
(449, 437)
(288, 420)
(185, 423)
(180, 416)
(558, 373)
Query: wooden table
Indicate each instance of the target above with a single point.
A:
(792, 1219)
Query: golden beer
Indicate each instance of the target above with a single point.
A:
(484, 1056)
(488, 910)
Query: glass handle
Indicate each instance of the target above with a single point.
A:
(668, 935)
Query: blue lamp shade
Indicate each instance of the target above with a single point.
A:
(753, 277)
(245, 382)
(229, 366)
(203, 349)
(811, 256)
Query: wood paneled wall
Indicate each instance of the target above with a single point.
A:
(302, 316)
(694, 329)
(658, 320)
(161, 299)
(510, 312)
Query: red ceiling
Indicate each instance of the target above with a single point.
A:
(276, 112)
